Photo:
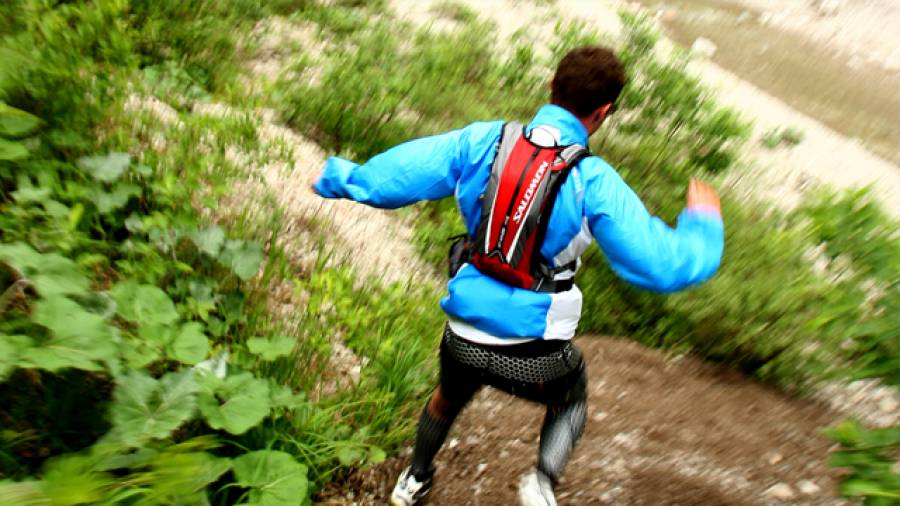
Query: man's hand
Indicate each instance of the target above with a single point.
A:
(313, 179)
(702, 196)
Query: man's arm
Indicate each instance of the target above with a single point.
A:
(421, 169)
(644, 250)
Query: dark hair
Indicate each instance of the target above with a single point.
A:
(586, 78)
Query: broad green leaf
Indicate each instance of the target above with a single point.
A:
(12, 151)
(11, 347)
(144, 408)
(282, 396)
(29, 193)
(114, 199)
(16, 122)
(236, 404)
(56, 209)
(157, 334)
(190, 345)
(273, 477)
(143, 304)
(376, 455)
(106, 168)
(139, 353)
(209, 240)
(243, 257)
(79, 339)
(348, 455)
(51, 274)
(847, 432)
(270, 348)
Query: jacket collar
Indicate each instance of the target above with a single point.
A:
(571, 131)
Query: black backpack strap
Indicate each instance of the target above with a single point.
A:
(573, 154)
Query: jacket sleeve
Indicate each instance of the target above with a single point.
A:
(642, 249)
(422, 169)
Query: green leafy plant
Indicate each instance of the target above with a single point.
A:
(15, 124)
(870, 456)
(273, 477)
(114, 291)
(144, 408)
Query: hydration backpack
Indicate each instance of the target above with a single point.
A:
(516, 206)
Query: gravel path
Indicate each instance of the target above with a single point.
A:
(661, 430)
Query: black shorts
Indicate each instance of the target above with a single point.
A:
(549, 372)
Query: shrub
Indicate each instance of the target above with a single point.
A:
(791, 136)
(113, 290)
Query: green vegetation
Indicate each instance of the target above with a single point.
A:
(140, 360)
(140, 327)
(116, 292)
(871, 456)
(790, 136)
(861, 247)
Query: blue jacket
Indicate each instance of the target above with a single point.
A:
(594, 204)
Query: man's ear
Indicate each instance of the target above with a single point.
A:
(602, 111)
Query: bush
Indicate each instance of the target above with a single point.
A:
(114, 291)
(862, 250)
(775, 137)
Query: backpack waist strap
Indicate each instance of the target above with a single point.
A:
(554, 285)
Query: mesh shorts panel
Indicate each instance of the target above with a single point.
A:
(540, 369)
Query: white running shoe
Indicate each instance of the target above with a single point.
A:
(535, 489)
(409, 490)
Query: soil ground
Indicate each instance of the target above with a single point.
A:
(661, 430)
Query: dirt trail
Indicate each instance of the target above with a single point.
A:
(661, 430)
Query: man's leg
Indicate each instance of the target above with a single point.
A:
(459, 383)
(531, 371)
(563, 427)
(434, 423)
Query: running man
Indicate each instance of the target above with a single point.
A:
(513, 328)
